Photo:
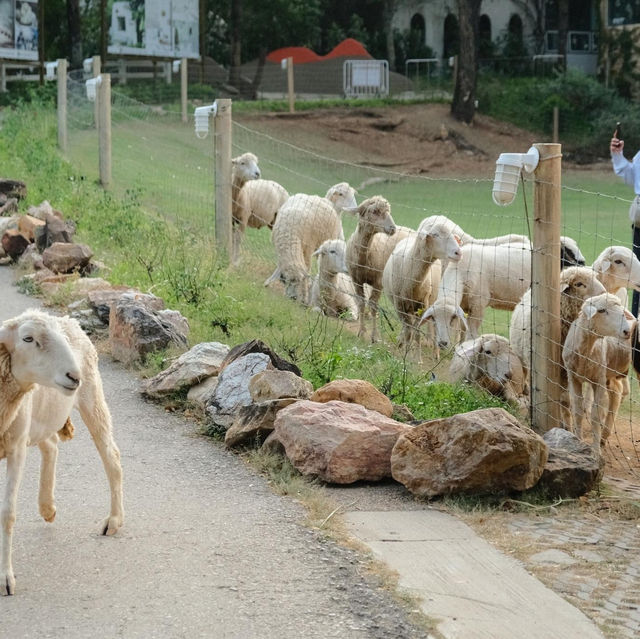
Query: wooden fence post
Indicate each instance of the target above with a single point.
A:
(3, 78)
(222, 143)
(184, 85)
(556, 124)
(546, 353)
(104, 129)
(62, 105)
(292, 97)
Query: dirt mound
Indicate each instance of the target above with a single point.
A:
(348, 48)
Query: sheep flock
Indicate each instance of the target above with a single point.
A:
(439, 281)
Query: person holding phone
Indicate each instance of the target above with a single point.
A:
(629, 171)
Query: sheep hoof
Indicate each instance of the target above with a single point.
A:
(9, 586)
(48, 512)
(110, 526)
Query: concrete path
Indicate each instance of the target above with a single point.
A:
(207, 550)
(470, 588)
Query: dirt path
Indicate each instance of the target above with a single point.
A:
(207, 550)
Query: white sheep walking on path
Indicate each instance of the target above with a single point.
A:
(243, 168)
(332, 291)
(303, 223)
(368, 250)
(585, 359)
(47, 367)
(487, 275)
(412, 274)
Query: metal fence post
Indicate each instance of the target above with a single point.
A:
(546, 353)
(62, 105)
(222, 142)
(290, 93)
(104, 129)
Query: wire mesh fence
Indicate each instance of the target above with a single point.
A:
(446, 295)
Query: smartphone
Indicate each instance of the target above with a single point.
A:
(618, 132)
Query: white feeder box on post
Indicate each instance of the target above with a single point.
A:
(508, 167)
(87, 65)
(50, 70)
(201, 117)
(92, 87)
(175, 66)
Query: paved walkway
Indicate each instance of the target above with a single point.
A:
(207, 550)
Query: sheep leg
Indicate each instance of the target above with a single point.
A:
(598, 413)
(576, 403)
(615, 392)
(15, 468)
(95, 414)
(46, 498)
(237, 235)
(373, 305)
(360, 303)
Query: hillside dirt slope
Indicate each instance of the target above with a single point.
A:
(416, 138)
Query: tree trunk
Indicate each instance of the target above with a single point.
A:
(257, 80)
(75, 35)
(236, 43)
(563, 28)
(463, 106)
(389, 8)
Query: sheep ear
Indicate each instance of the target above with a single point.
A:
(317, 252)
(463, 319)
(629, 315)
(352, 210)
(468, 349)
(457, 239)
(6, 336)
(428, 314)
(565, 287)
(589, 310)
(605, 265)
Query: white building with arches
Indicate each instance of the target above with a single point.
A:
(503, 21)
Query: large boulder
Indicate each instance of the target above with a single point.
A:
(337, 441)
(13, 188)
(201, 394)
(254, 422)
(192, 367)
(571, 469)
(102, 300)
(55, 230)
(135, 331)
(62, 257)
(355, 391)
(275, 384)
(256, 346)
(8, 206)
(485, 451)
(14, 243)
(232, 391)
(27, 225)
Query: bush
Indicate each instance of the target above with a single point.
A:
(588, 110)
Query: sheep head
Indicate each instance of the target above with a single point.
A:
(441, 242)
(245, 167)
(331, 257)
(39, 353)
(342, 196)
(447, 318)
(617, 267)
(570, 254)
(580, 282)
(606, 317)
(375, 212)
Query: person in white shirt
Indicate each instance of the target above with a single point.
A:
(630, 173)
